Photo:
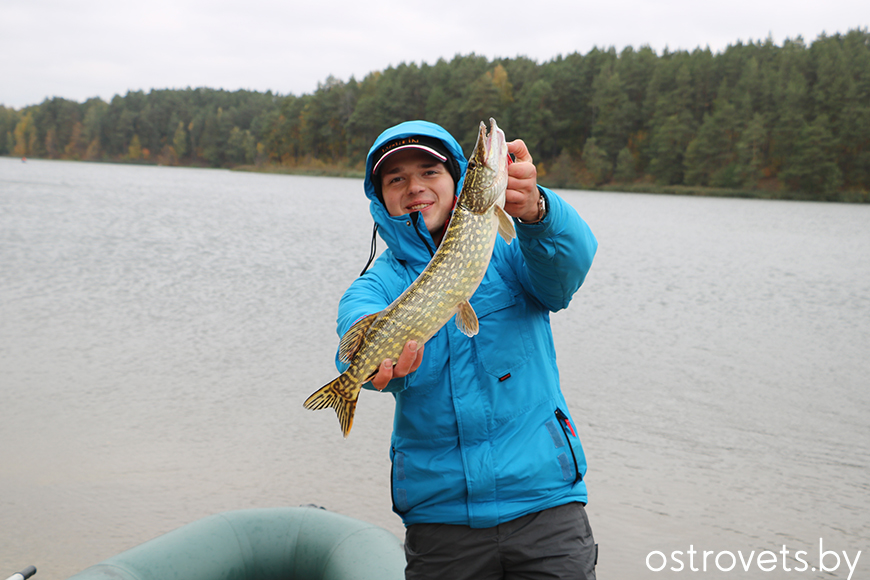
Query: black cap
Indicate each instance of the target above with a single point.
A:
(432, 146)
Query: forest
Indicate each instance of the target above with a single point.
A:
(757, 119)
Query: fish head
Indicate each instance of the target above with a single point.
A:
(486, 175)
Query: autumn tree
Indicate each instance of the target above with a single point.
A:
(25, 136)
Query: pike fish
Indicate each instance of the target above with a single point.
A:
(441, 291)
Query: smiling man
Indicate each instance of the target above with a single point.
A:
(414, 178)
(488, 469)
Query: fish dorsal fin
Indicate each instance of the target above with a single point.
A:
(505, 224)
(466, 319)
(353, 338)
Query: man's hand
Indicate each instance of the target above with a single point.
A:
(409, 361)
(521, 198)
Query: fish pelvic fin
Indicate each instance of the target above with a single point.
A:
(353, 338)
(466, 319)
(334, 394)
(505, 224)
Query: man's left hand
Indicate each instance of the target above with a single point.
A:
(521, 198)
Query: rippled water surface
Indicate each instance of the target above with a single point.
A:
(160, 327)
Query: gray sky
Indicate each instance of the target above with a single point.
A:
(84, 48)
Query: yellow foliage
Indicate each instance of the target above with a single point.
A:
(93, 152)
(134, 151)
(25, 136)
(499, 78)
(75, 148)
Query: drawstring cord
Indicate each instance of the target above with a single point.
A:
(373, 250)
(415, 217)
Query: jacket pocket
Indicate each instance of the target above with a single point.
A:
(504, 342)
(398, 488)
(560, 427)
(427, 475)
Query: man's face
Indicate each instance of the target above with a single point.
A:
(413, 180)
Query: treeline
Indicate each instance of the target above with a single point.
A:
(786, 120)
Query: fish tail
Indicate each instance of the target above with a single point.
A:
(332, 395)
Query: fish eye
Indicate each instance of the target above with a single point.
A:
(471, 166)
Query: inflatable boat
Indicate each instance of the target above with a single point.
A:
(304, 543)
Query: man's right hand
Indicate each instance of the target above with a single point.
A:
(409, 361)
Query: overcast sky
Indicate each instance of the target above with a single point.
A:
(87, 48)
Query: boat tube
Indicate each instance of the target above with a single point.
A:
(304, 543)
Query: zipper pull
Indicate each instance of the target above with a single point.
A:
(564, 418)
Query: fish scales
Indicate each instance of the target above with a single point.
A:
(441, 291)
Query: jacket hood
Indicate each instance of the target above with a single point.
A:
(395, 231)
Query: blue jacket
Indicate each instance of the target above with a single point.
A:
(482, 434)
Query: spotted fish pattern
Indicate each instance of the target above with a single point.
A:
(441, 291)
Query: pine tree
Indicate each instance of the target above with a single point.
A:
(610, 106)
(179, 140)
(625, 167)
(750, 152)
(811, 168)
(710, 155)
(596, 163)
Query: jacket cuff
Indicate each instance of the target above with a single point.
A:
(543, 228)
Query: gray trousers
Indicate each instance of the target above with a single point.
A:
(554, 543)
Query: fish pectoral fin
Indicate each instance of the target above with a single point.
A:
(339, 395)
(353, 338)
(466, 319)
(505, 224)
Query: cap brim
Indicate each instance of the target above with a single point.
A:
(428, 150)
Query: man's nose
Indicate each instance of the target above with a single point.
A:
(415, 184)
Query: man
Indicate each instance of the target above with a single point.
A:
(487, 467)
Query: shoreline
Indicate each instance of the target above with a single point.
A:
(316, 168)
(326, 170)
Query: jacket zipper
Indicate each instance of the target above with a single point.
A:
(415, 217)
(565, 423)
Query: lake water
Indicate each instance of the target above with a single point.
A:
(160, 328)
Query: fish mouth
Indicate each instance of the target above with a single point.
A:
(486, 173)
(494, 151)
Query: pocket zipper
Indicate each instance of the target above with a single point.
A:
(392, 483)
(565, 424)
